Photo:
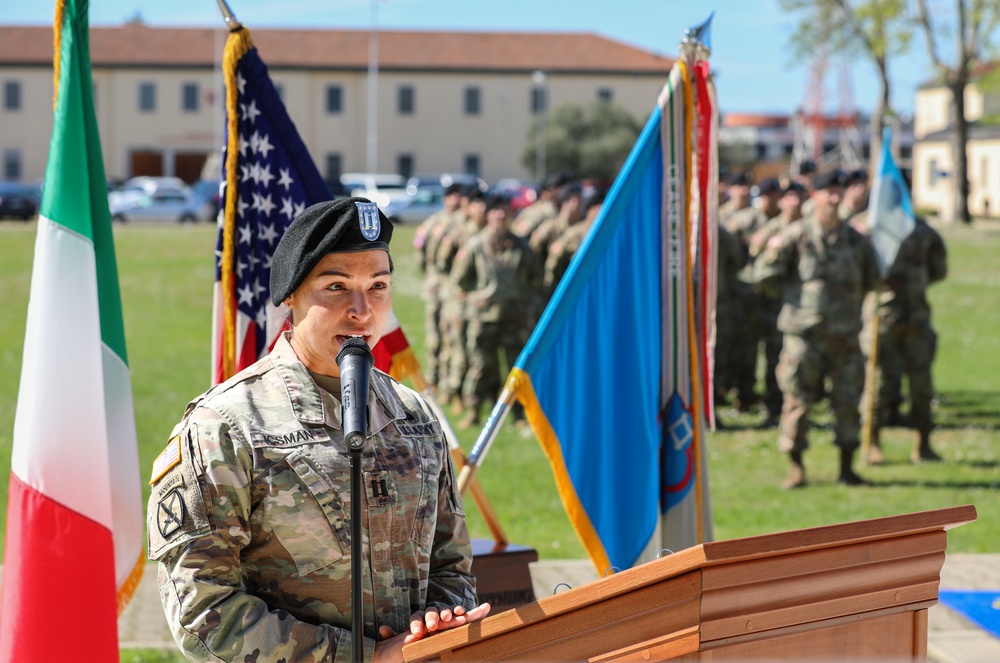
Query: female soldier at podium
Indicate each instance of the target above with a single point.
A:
(249, 512)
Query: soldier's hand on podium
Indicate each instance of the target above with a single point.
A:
(423, 623)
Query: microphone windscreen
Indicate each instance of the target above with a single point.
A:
(355, 346)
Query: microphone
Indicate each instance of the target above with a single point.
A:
(355, 362)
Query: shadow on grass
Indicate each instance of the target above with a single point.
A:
(945, 485)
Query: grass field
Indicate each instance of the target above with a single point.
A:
(166, 275)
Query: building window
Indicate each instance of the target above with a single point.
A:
(932, 173)
(406, 100)
(189, 98)
(12, 165)
(472, 164)
(12, 95)
(147, 97)
(905, 152)
(334, 99)
(472, 101)
(404, 164)
(605, 94)
(334, 168)
(538, 100)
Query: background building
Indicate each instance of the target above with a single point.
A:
(933, 163)
(447, 102)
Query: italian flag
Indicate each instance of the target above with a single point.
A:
(74, 551)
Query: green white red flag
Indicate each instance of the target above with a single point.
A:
(74, 548)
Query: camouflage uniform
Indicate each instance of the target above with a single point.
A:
(533, 216)
(499, 273)
(730, 261)
(454, 360)
(822, 277)
(745, 307)
(907, 342)
(250, 518)
(561, 252)
(426, 241)
(768, 312)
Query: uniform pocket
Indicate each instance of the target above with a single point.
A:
(306, 514)
(425, 503)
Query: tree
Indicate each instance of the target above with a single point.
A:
(877, 29)
(975, 22)
(590, 141)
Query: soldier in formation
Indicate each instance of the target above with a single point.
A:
(907, 342)
(822, 269)
(498, 275)
(426, 242)
(492, 284)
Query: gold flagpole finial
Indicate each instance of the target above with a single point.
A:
(229, 17)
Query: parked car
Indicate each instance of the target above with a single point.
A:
(442, 181)
(161, 199)
(417, 207)
(205, 200)
(18, 200)
(380, 188)
(520, 193)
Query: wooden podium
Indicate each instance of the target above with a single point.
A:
(857, 590)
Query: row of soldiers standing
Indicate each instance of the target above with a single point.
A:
(487, 277)
(794, 274)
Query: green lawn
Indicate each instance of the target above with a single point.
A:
(166, 274)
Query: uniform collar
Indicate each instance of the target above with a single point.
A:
(306, 398)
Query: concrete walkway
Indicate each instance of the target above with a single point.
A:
(951, 638)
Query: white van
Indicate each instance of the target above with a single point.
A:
(380, 188)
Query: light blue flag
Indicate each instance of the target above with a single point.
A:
(890, 216)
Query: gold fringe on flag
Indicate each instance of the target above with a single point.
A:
(404, 364)
(519, 384)
(57, 43)
(238, 44)
(131, 584)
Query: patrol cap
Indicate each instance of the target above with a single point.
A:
(333, 226)
(766, 186)
(825, 180)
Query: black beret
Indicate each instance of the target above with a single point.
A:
(793, 186)
(766, 186)
(556, 180)
(857, 177)
(830, 178)
(454, 187)
(740, 179)
(472, 192)
(333, 226)
(807, 167)
(496, 199)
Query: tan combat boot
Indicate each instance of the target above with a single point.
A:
(796, 472)
(874, 455)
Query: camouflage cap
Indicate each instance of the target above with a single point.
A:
(333, 226)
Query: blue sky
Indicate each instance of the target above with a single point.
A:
(756, 70)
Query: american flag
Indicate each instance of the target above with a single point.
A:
(268, 178)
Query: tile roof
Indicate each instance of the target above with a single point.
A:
(140, 45)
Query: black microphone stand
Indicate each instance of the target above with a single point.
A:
(355, 361)
(355, 446)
